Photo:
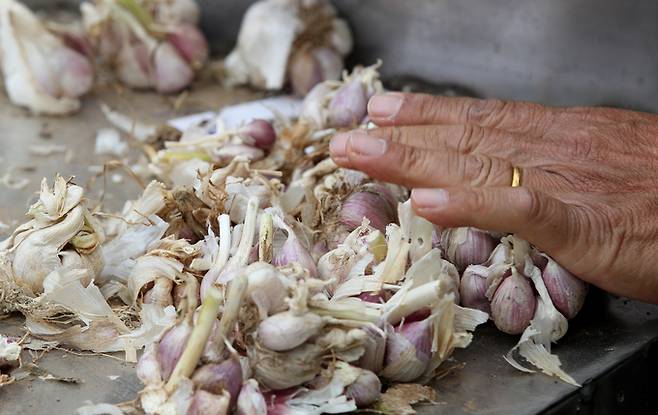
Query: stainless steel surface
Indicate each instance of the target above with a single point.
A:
(562, 52)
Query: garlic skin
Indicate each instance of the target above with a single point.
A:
(251, 401)
(473, 288)
(365, 390)
(285, 331)
(266, 288)
(567, 292)
(220, 377)
(148, 367)
(374, 351)
(283, 370)
(467, 246)
(514, 303)
(40, 72)
(170, 71)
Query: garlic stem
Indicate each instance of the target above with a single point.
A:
(249, 229)
(224, 242)
(266, 234)
(197, 341)
(236, 293)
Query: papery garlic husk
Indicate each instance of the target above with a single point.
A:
(513, 305)
(408, 351)
(473, 288)
(567, 292)
(284, 370)
(220, 377)
(206, 403)
(365, 390)
(251, 400)
(40, 72)
(373, 201)
(59, 218)
(467, 246)
(285, 331)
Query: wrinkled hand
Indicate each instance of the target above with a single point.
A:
(589, 177)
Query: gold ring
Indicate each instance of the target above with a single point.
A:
(516, 177)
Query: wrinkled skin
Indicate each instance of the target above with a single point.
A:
(589, 177)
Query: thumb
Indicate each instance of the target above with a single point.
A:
(540, 219)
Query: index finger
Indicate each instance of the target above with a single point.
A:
(396, 108)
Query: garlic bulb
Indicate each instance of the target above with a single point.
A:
(282, 370)
(567, 292)
(206, 403)
(408, 351)
(513, 305)
(171, 348)
(467, 246)
(144, 51)
(473, 288)
(285, 331)
(365, 390)
(344, 104)
(40, 71)
(262, 132)
(221, 377)
(251, 401)
(375, 202)
(292, 250)
(281, 40)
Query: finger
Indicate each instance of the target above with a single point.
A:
(534, 216)
(397, 108)
(417, 167)
(469, 139)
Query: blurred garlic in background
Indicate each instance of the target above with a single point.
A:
(148, 44)
(40, 70)
(296, 41)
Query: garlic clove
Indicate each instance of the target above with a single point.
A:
(513, 305)
(473, 288)
(285, 331)
(251, 400)
(206, 403)
(566, 291)
(305, 72)
(132, 64)
(375, 351)
(171, 347)
(408, 351)
(266, 288)
(148, 367)
(170, 71)
(365, 390)
(331, 63)
(190, 43)
(467, 246)
(76, 76)
(376, 203)
(349, 105)
(261, 131)
(221, 377)
(293, 251)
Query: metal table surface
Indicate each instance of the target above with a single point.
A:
(610, 347)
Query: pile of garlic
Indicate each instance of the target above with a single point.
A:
(260, 277)
(48, 66)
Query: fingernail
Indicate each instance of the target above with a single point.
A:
(429, 198)
(338, 146)
(366, 145)
(385, 105)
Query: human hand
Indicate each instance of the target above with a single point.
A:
(589, 177)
